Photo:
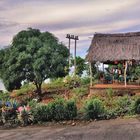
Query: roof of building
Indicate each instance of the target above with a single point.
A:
(112, 47)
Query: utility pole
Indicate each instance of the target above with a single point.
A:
(68, 36)
(75, 38)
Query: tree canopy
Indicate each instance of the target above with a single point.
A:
(80, 65)
(33, 56)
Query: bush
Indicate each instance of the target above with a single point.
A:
(124, 105)
(94, 108)
(85, 80)
(24, 115)
(110, 92)
(136, 106)
(32, 103)
(71, 110)
(80, 91)
(72, 81)
(111, 113)
(40, 113)
(8, 113)
(58, 110)
(54, 84)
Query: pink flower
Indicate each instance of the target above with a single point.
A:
(27, 108)
(20, 109)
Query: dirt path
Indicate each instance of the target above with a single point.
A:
(120, 129)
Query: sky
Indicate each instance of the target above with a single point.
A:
(60, 17)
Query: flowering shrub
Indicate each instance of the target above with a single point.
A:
(24, 115)
(12, 112)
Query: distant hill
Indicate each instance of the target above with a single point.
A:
(3, 47)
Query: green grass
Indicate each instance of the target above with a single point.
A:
(25, 89)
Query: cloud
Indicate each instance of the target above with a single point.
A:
(79, 17)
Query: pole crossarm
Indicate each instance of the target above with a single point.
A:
(74, 38)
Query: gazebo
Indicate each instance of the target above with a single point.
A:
(115, 48)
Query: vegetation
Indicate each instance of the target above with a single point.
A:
(94, 108)
(78, 106)
(4, 96)
(80, 65)
(80, 91)
(72, 81)
(25, 89)
(136, 106)
(57, 110)
(33, 57)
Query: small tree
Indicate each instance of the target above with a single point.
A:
(33, 56)
(80, 65)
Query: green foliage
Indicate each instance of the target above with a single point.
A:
(8, 113)
(110, 92)
(14, 103)
(119, 106)
(85, 80)
(94, 108)
(124, 105)
(111, 113)
(57, 81)
(136, 106)
(80, 91)
(40, 113)
(32, 103)
(54, 84)
(25, 89)
(95, 71)
(80, 65)
(134, 72)
(57, 110)
(4, 96)
(70, 110)
(25, 117)
(72, 81)
(34, 57)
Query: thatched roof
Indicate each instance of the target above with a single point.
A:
(112, 47)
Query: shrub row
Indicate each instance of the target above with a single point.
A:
(57, 111)
(61, 109)
(96, 108)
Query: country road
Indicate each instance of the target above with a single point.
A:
(119, 129)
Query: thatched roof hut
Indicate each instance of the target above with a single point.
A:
(112, 47)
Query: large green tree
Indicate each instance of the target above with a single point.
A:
(33, 56)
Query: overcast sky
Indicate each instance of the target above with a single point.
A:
(78, 17)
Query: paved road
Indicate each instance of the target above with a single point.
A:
(120, 129)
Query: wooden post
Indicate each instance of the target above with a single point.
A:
(103, 67)
(75, 58)
(69, 54)
(90, 69)
(125, 70)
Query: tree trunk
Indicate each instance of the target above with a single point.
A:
(38, 89)
(90, 68)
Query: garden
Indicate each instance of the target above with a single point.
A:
(63, 100)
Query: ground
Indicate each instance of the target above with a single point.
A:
(118, 129)
(116, 86)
